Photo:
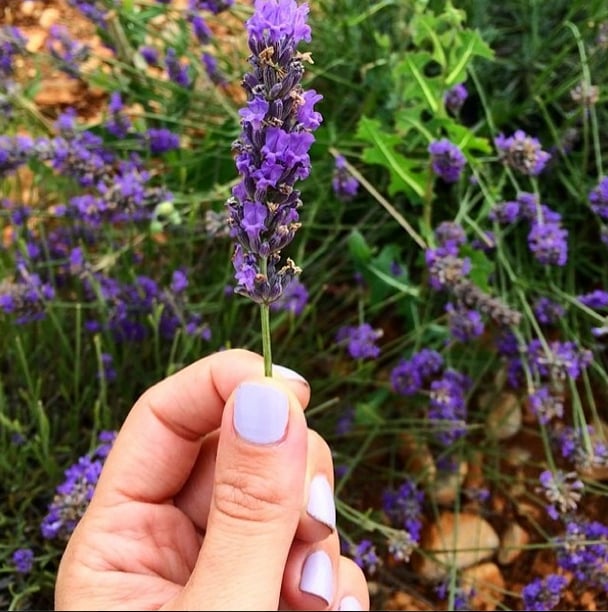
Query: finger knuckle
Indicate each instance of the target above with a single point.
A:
(247, 496)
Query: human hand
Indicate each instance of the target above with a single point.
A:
(215, 496)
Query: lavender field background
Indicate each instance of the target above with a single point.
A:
(451, 313)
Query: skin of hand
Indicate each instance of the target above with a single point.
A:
(215, 496)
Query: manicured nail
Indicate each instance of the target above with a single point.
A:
(317, 576)
(260, 413)
(350, 603)
(288, 373)
(321, 504)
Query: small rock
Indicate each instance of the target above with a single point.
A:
(458, 540)
(529, 510)
(48, 17)
(27, 8)
(485, 586)
(417, 457)
(446, 486)
(516, 455)
(35, 39)
(505, 417)
(58, 90)
(514, 538)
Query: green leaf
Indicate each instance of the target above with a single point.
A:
(381, 278)
(470, 45)
(405, 174)
(370, 412)
(481, 267)
(358, 248)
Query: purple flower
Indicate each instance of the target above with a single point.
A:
(450, 235)
(465, 324)
(25, 298)
(178, 73)
(598, 199)
(597, 299)
(118, 124)
(15, 151)
(506, 213)
(272, 150)
(92, 10)
(462, 596)
(73, 495)
(546, 405)
(365, 556)
(213, 6)
(275, 21)
(549, 243)
(522, 152)
(447, 406)
(563, 491)
(455, 97)
(200, 28)
(360, 340)
(211, 68)
(293, 299)
(561, 359)
(108, 372)
(547, 311)
(345, 185)
(150, 55)
(23, 560)
(571, 442)
(405, 378)
(409, 375)
(161, 140)
(544, 593)
(12, 43)
(446, 269)
(403, 507)
(583, 550)
(68, 53)
(447, 160)
(529, 205)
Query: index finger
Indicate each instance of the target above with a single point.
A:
(157, 446)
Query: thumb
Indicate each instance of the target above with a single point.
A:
(257, 499)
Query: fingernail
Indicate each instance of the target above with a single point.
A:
(321, 504)
(350, 603)
(260, 413)
(317, 576)
(288, 373)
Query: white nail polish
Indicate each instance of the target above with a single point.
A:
(321, 505)
(349, 603)
(288, 373)
(317, 576)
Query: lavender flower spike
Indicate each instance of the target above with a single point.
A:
(272, 150)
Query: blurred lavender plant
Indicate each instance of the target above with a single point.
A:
(12, 43)
(344, 184)
(447, 160)
(522, 152)
(455, 97)
(544, 593)
(23, 560)
(271, 155)
(73, 495)
(360, 340)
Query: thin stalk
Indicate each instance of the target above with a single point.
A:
(265, 320)
(393, 212)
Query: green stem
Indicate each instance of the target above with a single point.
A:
(266, 344)
(265, 318)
